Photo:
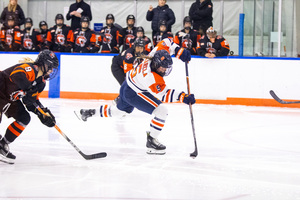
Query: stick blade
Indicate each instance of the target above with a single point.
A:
(94, 156)
(194, 154)
(272, 93)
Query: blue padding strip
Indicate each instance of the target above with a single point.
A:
(241, 34)
(54, 84)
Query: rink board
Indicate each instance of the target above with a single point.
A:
(232, 80)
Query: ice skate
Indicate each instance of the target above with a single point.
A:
(5, 155)
(154, 146)
(86, 113)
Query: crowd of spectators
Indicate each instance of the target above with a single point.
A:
(111, 39)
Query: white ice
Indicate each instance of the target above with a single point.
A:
(245, 153)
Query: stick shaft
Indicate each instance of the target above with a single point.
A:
(190, 106)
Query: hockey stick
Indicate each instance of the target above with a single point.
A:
(280, 100)
(195, 153)
(87, 157)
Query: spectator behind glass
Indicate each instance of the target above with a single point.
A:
(212, 45)
(10, 36)
(162, 33)
(43, 34)
(30, 38)
(161, 12)
(60, 37)
(109, 36)
(201, 14)
(187, 37)
(128, 33)
(84, 38)
(76, 11)
(13, 9)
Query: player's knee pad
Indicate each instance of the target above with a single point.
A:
(161, 111)
(24, 118)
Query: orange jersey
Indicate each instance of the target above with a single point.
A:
(166, 44)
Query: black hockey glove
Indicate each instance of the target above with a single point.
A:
(187, 99)
(48, 120)
(31, 96)
(183, 54)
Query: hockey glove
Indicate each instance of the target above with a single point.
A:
(183, 54)
(187, 99)
(31, 96)
(48, 120)
(17, 95)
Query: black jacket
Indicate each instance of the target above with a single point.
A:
(18, 14)
(201, 14)
(161, 13)
(75, 23)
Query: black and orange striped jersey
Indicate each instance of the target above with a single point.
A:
(160, 36)
(10, 39)
(21, 77)
(84, 41)
(187, 40)
(220, 47)
(60, 39)
(126, 36)
(30, 40)
(109, 39)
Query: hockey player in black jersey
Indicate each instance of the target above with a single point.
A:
(140, 33)
(30, 37)
(212, 45)
(10, 36)
(187, 37)
(128, 33)
(162, 33)
(43, 35)
(20, 86)
(109, 36)
(60, 37)
(84, 38)
(125, 61)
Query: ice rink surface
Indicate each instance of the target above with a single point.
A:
(245, 153)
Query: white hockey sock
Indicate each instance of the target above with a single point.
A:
(158, 122)
(109, 111)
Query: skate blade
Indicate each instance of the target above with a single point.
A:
(7, 160)
(155, 152)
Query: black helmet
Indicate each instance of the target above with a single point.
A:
(162, 22)
(110, 16)
(163, 59)
(59, 16)
(139, 42)
(43, 23)
(85, 19)
(187, 19)
(47, 57)
(140, 29)
(10, 17)
(28, 20)
(130, 17)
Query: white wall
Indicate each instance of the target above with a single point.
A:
(216, 79)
